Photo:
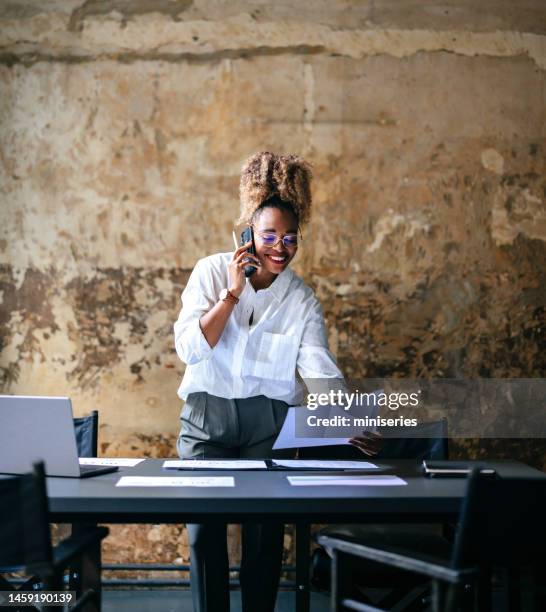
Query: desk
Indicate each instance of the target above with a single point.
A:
(265, 495)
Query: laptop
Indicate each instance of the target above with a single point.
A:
(40, 429)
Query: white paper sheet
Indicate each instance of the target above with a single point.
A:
(287, 436)
(321, 481)
(177, 481)
(214, 464)
(325, 464)
(121, 462)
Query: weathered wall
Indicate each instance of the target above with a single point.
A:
(123, 129)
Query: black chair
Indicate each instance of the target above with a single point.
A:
(501, 524)
(25, 541)
(425, 441)
(87, 430)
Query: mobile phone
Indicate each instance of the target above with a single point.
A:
(246, 235)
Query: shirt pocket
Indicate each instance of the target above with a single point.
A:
(276, 357)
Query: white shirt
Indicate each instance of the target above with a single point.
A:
(287, 334)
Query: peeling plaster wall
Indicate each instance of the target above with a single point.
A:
(123, 126)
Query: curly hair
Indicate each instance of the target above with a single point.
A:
(269, 177)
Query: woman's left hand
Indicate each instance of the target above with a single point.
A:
(369, 443)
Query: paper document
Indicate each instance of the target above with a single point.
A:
(109, 461)
(320, 481)
(177, 481)
(339, 420)
(214, 464)
(306, 464)
(287, 435)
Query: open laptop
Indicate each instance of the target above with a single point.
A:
(40, 429)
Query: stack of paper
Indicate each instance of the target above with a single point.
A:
(120, 462)
(324, 464)
(372, 480)
(213, 464)
(180, 481)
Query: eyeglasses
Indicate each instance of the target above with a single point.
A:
(269, 239)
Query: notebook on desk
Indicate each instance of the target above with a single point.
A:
(40, 429)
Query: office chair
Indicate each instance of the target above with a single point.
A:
(501, 523)
(425, 441)
(25, 540)
(86, 429)
(87, 432)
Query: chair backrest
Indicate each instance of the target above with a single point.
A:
(502, 521)
(24, 523)
(425, 441)
(87, 429)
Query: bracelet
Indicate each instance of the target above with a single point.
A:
(227, 296)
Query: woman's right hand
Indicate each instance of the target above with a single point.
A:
(237, 268)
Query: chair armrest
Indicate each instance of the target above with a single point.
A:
(405, 560)
(74, 546)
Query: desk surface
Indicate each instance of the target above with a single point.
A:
(263, 495)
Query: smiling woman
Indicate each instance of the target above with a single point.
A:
(243, 340)
(276, 241)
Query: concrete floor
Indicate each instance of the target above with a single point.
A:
(163, 600)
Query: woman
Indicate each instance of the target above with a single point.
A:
(243, 340)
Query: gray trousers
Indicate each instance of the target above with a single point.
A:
(218, 428)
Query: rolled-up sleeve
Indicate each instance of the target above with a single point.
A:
(316, 364)
(197, 299)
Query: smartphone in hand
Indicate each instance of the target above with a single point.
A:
(247, 235)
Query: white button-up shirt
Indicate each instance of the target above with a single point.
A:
(287, 334)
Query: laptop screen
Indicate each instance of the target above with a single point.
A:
(37, 429)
